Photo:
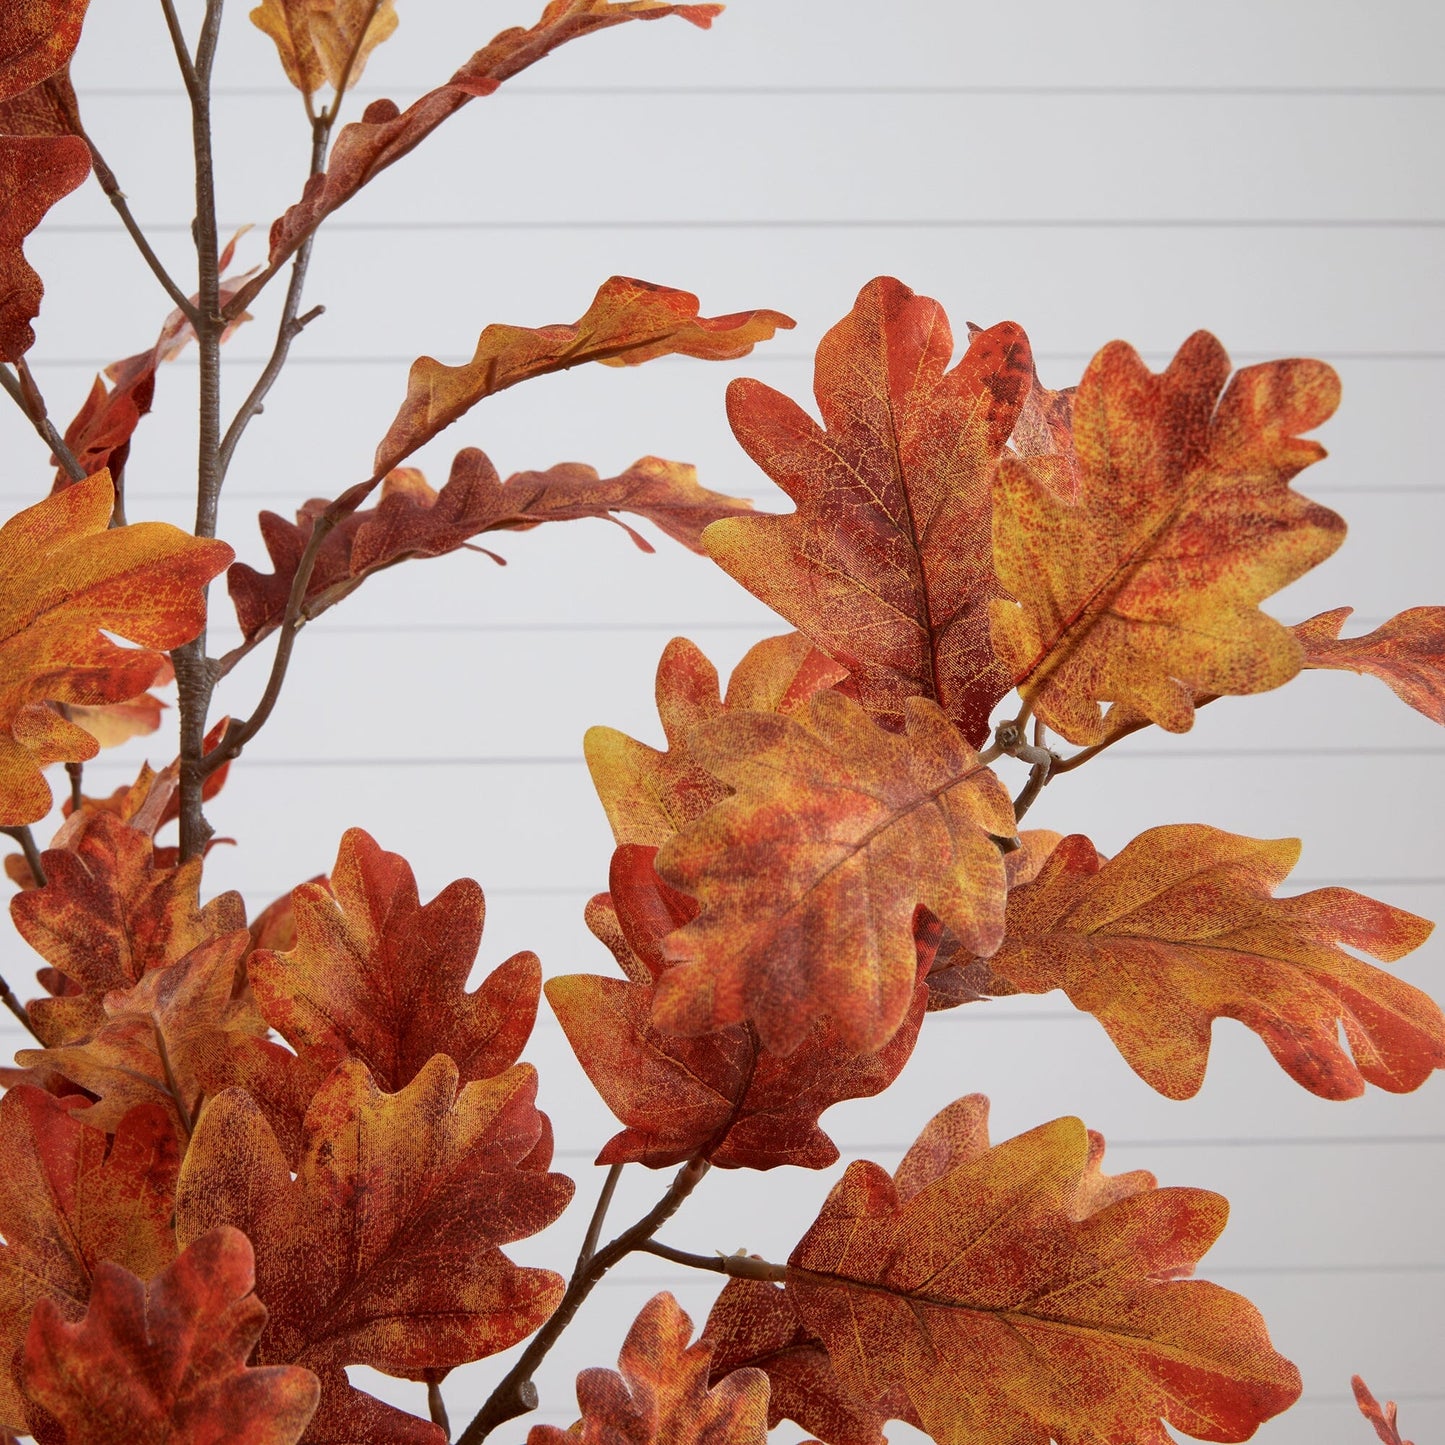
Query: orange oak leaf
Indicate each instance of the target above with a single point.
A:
(650, 795)
(628, 322)
(144, 1050)
(1145, 590)
(325, 42)
(1045, 428)
(108, 914)
(720, 1096)
(954, 976)
(1073, 1323)
(413, 520)
(37, 38)
(662, 1393)
(375, 975)
(35, 172)
(753, 1325)
(66, 574)
(810, 873)
(1180, 928)
(384, 1249)
(1383, 1419)
(69, 1198)
(1407, 653)
(887, 563)
(385, 133)
(166, 1361)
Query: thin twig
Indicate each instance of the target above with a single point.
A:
(238, 731)
(515, 1393)
(7, 995)
(437, 1408)
(76, 774)
(339, 94)
(117, 198)
(21, 833)
(599, 1216)
(735, 1266)
(288, 328)
(26, 395)
(178, 43)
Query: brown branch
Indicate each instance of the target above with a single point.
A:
(288, 328)
(515, 1394)
(599, 1216)
(437, 1408)
(76, 773)
(26, 395)
(119, 203)
(21, 833)
(178, 43)
(7, 996)
(735, 1266)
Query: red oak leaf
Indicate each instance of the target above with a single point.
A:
(721, 1096)
(157, 1363)
(662, 1396)
(69, 1198)
(412, 520)
(887, 563)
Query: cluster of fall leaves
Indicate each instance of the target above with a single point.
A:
(248, 1154)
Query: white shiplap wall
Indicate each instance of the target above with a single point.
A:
(1269, 169)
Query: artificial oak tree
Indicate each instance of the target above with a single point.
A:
(246, 1154)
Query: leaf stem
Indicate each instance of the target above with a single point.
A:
(26, 395)
(437, 1408)
(599, 1216)
(21, 833)
(515, 1393)
(7, 996)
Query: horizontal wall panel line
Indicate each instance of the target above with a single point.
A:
(187, 361)
(824, 223)
(763, 624)
(557, 760)
(1288, 1141)
(1081, 92)
(586, 890)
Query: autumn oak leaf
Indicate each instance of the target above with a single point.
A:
(69, 1198)
(412, 520)
(66, 574)
(810, 873)
(377, 976)
(385, 133)
(1071, 1322)
(1180, 928)
(1383, 1418)
(37, 38)
(662, 1395)
(753, 1325)
(721, 1095)
(650, 794)
(887, 563)
(1145, 589)
(166, 1361)
(385, 1247)
(35, 172)
(145, 1050)
(1407, 653)
(325, 42)
(108, 914)
(628, 322)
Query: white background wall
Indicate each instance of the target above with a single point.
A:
(1269, 169)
